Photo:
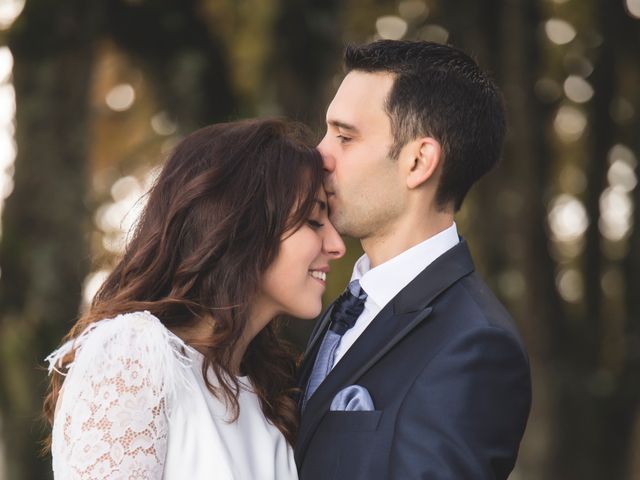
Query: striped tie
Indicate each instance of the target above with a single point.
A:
(345, 312)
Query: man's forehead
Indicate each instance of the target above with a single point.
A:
(361, 96)
(382, 80)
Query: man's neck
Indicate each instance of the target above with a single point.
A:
(403, 235)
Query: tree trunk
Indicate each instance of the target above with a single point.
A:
(597, 399)
(306, 55)
(43, 251)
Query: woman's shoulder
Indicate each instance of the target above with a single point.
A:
(130, 341)
(134, 329)
(133, 325)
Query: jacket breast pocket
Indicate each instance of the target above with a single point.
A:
(352, 421)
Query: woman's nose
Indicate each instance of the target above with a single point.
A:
(332, 243)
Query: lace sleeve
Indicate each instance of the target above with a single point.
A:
(112, 414)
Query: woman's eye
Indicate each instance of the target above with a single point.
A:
(315, 224)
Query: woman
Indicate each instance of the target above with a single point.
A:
(176, 371)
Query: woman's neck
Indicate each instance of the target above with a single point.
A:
(194, 335)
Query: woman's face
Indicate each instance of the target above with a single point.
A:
(295, 281)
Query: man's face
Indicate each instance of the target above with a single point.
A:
(364, 187)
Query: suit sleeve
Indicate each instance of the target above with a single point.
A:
(465, 414)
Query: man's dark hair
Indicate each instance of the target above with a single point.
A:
(439, 92)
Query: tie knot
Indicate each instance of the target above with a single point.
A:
(348, 308)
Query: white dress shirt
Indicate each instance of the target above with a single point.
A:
(385, 281)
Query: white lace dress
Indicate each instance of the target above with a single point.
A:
(134, 406)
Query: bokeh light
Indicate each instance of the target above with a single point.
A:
(616, 209)
(570, 285)
(9, 11)
(620, 152)
(612, 282)
(116, 218)
(559, 31)
(8, 148)
(434, 33)
(120, 97)
(163, 125)
(567, 218)
(621, 175)
(577, 89)
(391, 27)
(413, 9)
(6, 64)
(512, 284)
(92, 284)
(570, 123)
(616, 204)
(633, 7)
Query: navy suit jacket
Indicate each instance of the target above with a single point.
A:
(449, 378)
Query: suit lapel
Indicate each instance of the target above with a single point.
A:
(405, 323)
(396, 320)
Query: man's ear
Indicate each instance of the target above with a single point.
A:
(425, 156)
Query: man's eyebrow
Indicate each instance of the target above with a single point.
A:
(343, 125)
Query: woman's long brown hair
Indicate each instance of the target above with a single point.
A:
(212, 225)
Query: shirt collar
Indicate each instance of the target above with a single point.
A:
(385, 281)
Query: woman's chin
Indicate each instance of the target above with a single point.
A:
(307, 313)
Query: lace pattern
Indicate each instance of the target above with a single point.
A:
(112, 414)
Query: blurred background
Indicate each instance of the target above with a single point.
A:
(94, 93)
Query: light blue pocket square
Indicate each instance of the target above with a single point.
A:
(352, 398)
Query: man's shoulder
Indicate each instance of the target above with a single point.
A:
(471, 305)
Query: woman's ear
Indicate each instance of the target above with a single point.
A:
(424, 161)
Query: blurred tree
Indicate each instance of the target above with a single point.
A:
(43, 251)
(182, 54)
(582, 363)
(306, 56)
(505, 215)
(598, 396)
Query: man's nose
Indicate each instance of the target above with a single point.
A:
(327, 158)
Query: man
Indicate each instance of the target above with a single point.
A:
(417, 371)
